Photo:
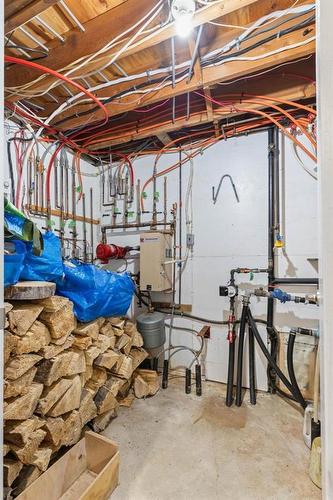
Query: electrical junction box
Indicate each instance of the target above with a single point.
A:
(156, 261)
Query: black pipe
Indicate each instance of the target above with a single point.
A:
(188, 381)
(271, 360)
(241, 337)
(252, 368)
(295, 281)
(165, 375)
(291, 371)
(231, 368)
(198, 384)
(273, 166)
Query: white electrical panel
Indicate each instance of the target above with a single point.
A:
(156, 261)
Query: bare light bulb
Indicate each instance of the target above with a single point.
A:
(182, 12)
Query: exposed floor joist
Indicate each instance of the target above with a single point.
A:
(19, 12)
(297, 93)
(213, 75)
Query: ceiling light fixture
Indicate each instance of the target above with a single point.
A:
(183, 11)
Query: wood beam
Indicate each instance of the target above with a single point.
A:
(214, 74)
(163, 137)
(20, 12)
(295, 93)
(100, 30)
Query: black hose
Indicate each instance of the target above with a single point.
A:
(271, 361)
(165, 375)
(241, 337)
(188, 381)
(291, 371)
(252, 368)
(198, 384)
(231, 368)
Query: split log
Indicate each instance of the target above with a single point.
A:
(77, 363)
(117, 323)
(52, 350)
(127, 401)
(91, 354)
(53, 304)
(52, 394)
(70, 399)
(124, 368)
(23, 407)
(62, 340)
(36, 337)
(26, 452)
(41, 458)
(72, 428)
(98, 378)
(28, 475)
(107, 329)
(107, 360)
(90, 329)
(5, 449)
(20, 386)
(60, 323)
(103, 343)
(138, 355)
(105, 400)
(123, 341)
(102, 421)
(18, 433)
(11, 469)
(130, 328)
(81, 342)
(141, 387)
(19, 365)
(88, 409)
(10, 342)
(54, 428)
(22, 316)
(150, 377)
(137, 340)
(51, 370)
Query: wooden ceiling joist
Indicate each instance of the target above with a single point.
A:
(294, 93)
(215, 74)
(101, 29)
(19, 12)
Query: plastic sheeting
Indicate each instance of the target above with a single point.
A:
(95, 292)
(13, 262)
(46, 267)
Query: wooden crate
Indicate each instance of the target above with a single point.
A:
(88, 471)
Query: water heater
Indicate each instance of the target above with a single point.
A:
(156, 261)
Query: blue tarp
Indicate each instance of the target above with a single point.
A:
(13, 263)
(46, 267)
(95, 292)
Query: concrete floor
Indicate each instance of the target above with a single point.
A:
(178, 446)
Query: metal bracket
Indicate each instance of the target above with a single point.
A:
(215, 196)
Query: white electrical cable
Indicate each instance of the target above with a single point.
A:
(270, 18)
(86, 59)
(309, 170)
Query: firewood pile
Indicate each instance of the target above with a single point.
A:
(61, 375)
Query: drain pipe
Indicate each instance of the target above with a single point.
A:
(273, 220)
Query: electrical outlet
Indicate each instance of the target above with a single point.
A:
(190, 240)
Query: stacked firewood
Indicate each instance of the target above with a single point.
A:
(61, 375)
